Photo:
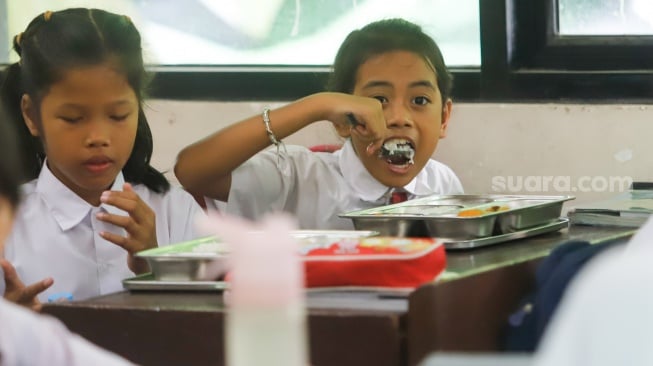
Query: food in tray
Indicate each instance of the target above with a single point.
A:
(475, 212)
(398, 152)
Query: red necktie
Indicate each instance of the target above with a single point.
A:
(398, 196)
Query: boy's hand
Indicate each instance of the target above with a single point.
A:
(17, 292)
(140, 225)
(361, 117)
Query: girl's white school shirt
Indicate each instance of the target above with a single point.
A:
(27, 338)
(317, 187)
(56, 234)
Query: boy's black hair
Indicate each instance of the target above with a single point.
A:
(386, 36)
(56, 42)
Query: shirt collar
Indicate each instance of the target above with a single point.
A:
(67, 208)
(366, 186)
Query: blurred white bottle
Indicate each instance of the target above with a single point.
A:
(266, 320)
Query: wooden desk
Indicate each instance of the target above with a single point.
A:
(464, 311)
(187, 328)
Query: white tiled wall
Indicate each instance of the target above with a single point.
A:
(494, 148)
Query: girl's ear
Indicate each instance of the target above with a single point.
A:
(28, 109)
(446, 114)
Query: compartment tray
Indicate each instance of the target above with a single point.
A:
(556, 225)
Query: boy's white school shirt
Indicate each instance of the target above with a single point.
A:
(56, 234)
(317, 187)
(27, 338)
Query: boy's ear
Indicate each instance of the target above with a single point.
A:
(446, 114)
(343, 129)
(28, 109)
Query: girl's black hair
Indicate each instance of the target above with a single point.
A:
(58, 41)
(381, 37)
(10, 173)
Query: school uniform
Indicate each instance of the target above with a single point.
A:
(27, 338)
(317, 187)
(56, 234)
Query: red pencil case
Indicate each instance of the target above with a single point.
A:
(375, 262)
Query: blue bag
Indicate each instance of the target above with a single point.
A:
(554, 273)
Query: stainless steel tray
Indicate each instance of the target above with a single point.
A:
(206, 257)
(556, 225)
(440, 216)
(147, 282)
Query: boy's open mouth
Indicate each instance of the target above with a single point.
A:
(397, 152)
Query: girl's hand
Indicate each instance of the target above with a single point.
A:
(17, 292)
(361, 117)
(140, 225)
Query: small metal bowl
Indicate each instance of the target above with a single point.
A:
(187, 261)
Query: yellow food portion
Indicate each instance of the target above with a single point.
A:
(470, 213)
(475, 212)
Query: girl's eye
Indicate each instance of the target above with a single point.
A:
(70, 119)
(121, 117)
(421, 101)
(381, 99)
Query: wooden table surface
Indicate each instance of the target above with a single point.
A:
(186, 328)
(464, 311)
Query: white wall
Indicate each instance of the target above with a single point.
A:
(545, 148)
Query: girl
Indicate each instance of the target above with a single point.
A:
(390, 98)
(94, 200)
(27, 338)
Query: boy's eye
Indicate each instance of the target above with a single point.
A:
(381, 99)
(421, 101)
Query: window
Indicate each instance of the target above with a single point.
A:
(526, 55)
(498, 50)
(258, 49)
(269, 32)
(605, 17)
